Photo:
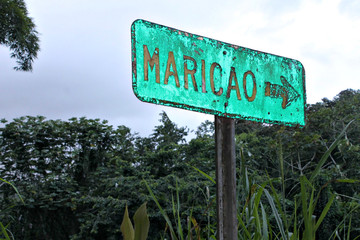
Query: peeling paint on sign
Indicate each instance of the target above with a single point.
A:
(179, 69)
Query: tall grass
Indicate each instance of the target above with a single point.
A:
(262, 213)
(4, 229)
(343, 230)
(176, 230)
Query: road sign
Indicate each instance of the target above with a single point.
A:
(184, 70)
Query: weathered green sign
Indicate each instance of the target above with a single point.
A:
(180, 69)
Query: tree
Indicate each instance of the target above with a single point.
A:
(66, 172)
(162, 152)
(17, 31)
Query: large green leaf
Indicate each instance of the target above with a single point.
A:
(276, 214)
(127, 227)
(142, 223)
(324, 212)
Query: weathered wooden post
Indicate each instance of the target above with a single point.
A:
(225, 178)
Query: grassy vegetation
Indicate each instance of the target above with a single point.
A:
(77, 177)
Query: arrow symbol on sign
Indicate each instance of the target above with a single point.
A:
(287, 92)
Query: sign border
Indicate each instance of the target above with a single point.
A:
(200, 109)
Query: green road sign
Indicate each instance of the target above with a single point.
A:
(184, 70)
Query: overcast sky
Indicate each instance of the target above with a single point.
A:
(84, 66)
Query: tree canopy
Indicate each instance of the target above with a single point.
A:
(17, 31)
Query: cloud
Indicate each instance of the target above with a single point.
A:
(84, 67)
(350, 7)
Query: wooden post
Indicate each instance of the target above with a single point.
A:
(225, 178)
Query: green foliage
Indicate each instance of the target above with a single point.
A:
(177, 227)
(127, 227)
(4, 229)
(76, 176)
(17, 31)
(17, 192)
(142, 224)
